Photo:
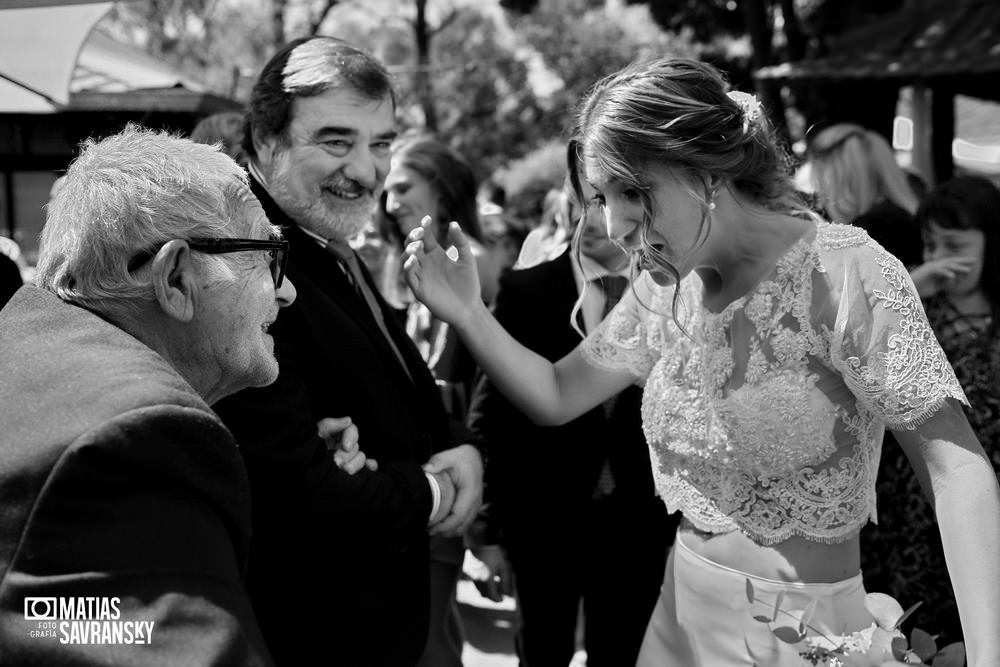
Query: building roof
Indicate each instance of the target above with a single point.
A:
(926, 40)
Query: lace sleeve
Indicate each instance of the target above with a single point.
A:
(883, 345)
(629, 338)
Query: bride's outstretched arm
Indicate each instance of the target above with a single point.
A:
(548, 393)
(954, 470)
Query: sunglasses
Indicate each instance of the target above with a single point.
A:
(277, 248)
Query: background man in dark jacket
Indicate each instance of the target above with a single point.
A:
(575, 505)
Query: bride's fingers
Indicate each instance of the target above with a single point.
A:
(411, 274)
(460, 241)
(413, 248)
(426, 234)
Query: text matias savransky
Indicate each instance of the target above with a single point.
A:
(85, 620)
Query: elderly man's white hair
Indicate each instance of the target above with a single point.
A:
(126, 195)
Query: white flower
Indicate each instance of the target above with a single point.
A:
(749, 105)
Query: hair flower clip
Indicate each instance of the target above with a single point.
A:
(748, 104)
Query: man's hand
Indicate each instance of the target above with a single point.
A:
(464, 466)
(341, 438)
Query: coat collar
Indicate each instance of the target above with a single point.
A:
(308, 260)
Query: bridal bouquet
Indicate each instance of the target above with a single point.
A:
(881, 645)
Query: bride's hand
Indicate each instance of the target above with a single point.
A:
(450, 288)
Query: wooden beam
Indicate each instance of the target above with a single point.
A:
(942, 131)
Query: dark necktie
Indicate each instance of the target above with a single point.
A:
(349, 262)
(613, 287)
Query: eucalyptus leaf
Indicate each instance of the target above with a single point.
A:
(952, 655)
(788, 634)
(899, 647)
(906, 614)
(777, 604)
(808, 614)
(923, 644)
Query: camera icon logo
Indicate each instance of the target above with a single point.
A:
(40, 609)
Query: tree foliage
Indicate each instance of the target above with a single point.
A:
(496, 79)
(505, 85)
(578, 42)
(220, 43)
(495, 84)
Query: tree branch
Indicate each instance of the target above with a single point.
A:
(317, 20)
(445, 22)
(278, 23)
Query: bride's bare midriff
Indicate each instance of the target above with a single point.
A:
(794, 560)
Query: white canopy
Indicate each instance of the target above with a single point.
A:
(40, 42)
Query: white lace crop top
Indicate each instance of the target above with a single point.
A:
(768, 417)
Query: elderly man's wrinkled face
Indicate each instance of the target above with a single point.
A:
(239, 310)
(328, 174)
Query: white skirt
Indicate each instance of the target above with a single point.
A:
(704, 619)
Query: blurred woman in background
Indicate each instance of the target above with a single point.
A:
(858, 182)
(959, 283)
(429, 179)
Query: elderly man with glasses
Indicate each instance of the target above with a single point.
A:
(124, 504)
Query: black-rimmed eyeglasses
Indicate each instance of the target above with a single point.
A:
(277, 248)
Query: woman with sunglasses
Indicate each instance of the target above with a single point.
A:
(858, 182)
(774, 349)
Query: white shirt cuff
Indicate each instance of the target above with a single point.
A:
(435, 493)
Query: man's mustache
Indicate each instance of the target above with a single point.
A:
(349, 185)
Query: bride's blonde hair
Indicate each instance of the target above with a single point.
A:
(675, 113)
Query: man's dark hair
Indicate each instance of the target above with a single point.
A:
(306, 67)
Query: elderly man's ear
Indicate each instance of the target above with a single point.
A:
(175, 281)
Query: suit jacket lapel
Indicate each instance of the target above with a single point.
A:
(321, 267)
(563, 276)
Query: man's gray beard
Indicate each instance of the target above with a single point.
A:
(343, 223)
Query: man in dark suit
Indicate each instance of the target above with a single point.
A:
(339, 568)
(575, 505)
(124, 505)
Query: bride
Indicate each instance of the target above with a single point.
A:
(773, 348)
